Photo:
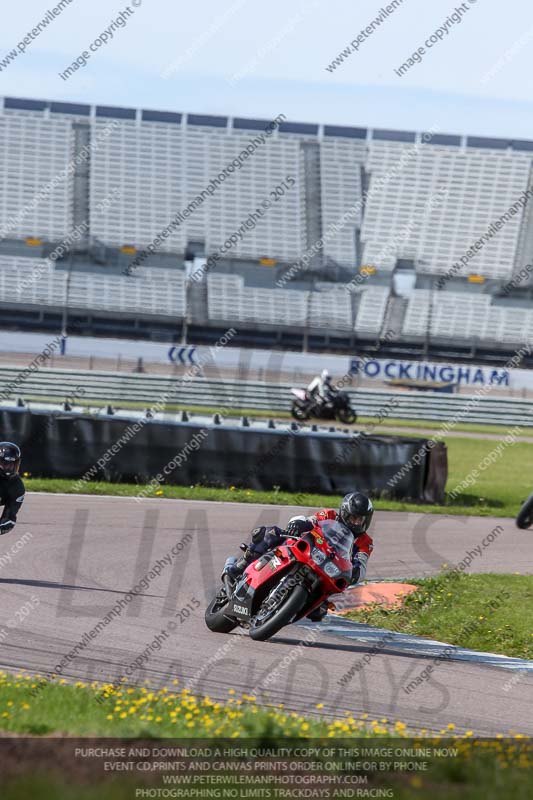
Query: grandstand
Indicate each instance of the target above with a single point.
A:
(102, 184)
(445, 200)
(459, 316)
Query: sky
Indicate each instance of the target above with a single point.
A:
(473, 72)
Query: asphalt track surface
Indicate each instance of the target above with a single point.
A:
(86, 553)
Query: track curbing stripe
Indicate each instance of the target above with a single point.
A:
(418, 645)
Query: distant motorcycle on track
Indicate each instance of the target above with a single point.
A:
(304, 407)
(524, 518)
(285, 584)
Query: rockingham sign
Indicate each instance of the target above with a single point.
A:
(288, 365)
(464, 375)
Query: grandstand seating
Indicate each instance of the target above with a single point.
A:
(461, 316)
(441, 201)
(371, 311)
(456, 316)
(342, 161)
(145, 165)
(424, 203)
(229, 299)
(39, 282)
(427, 202)
(158, 169)
(331, 309)
(33, 152)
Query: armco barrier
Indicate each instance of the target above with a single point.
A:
(74, 445)
(116, 387)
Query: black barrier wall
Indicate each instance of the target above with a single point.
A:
(82, 447)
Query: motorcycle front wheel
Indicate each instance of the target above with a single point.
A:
(525, 515)
(214, 614)
(269, 621)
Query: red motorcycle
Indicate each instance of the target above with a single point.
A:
(285, 584)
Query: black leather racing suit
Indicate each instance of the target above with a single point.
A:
(11, 497)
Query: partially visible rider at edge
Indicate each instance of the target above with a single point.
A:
(321, 389)
(11, 485)
(356, 512)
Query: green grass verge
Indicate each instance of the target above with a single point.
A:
(432, 425)
(499, 488)
(35, 706)
(487, 612)
(206, 493)
(480, 769)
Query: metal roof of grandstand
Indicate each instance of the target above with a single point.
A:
(241, 123)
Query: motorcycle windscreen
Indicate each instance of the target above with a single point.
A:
(338, 536)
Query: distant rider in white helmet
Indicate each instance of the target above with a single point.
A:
(321, 388)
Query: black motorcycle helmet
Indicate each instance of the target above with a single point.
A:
(356, 512)
(10, 456)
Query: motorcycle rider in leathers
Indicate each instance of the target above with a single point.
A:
(11, 485)
(356, 512)
(321, 389)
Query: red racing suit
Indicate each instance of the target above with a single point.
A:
(363, 545)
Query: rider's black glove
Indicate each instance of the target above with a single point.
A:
(298, 526)
(6, 526)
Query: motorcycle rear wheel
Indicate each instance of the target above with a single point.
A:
(283, 615)
(346, 415)
(525, 515)
(299, 413)
(214, 614)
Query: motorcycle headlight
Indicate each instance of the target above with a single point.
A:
(331, 569)
(317, 555)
